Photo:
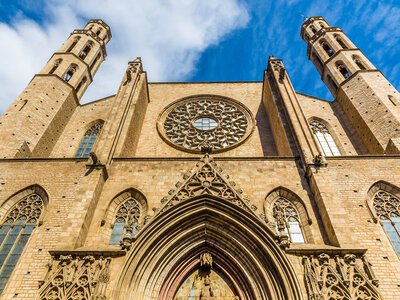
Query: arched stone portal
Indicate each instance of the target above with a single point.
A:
(243, 248)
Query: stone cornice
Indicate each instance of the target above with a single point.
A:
(312, 249)
(104, 24)
(105, 251)
(308, 22)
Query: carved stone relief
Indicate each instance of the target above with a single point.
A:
(205, 284)
(207, 179)
(74, 277)
(339, 277)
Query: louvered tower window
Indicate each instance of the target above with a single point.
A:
(387, 208)
(285, 209)
(89, 140)
(15, 232)
(128, 213)
(324, 139)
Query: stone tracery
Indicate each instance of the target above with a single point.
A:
(28, 209)
(15, 232)
(324, 138)
(386, 205)
(288, 219)
(188, 123)
(207, 179)
(126, 220)
(387, 208)
(340, 277)
(75, 277)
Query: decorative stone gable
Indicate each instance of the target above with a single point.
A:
(207, 179)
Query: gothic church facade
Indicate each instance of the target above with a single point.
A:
(217, 190)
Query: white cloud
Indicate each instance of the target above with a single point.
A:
(169, 35)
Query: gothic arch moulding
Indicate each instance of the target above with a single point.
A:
(93, 122)
(282, 192)
(376, 187)
(243, 248)
(12, 200)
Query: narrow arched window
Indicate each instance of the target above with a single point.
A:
(89, 140)
(56, 64)
(83, 81)
(95, 61)
(15, 232)
(343, 70)
(284, 211)
(358, 62)
(322, 25)
(387, 208)
(98, 31)
(324, 139)
(332, 83)
(313, 29)
(73, 44)
(341, 43)
(126, 220)
(318, 60)
(68, 75)
(327, 48)
(86, 50)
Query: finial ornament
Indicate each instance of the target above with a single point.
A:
(303, 16)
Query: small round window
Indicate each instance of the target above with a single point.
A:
(205, 123)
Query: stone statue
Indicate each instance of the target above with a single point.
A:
(206, 262)
(206, 290)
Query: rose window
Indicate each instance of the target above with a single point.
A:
(215, 121)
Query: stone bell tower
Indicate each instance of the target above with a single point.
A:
(368, 99)
(31, 126)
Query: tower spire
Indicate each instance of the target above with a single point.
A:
(47, 103)
(366, 96)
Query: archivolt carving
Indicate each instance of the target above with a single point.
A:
(241, 245)
(190, 122)
(342, 277)
(73, 277)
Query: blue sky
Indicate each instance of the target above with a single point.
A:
(192, 40)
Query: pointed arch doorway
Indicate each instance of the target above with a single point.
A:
(246, 259)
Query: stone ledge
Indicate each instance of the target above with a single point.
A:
(312, 249)
(105, 251)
